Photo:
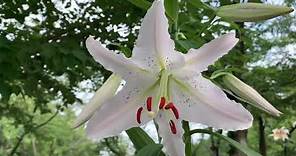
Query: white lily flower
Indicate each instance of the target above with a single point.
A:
(294, 124)
(164, 85)
(280, 133)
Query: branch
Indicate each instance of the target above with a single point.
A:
(292, 130)
(21, 138)
(111, 147)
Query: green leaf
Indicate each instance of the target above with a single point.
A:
(150, 150)
(172, 8)
(143, 4)
(232, 142)
(200, 4)
(125, 50)
(186, 44)
(139, 137)
(252, 12)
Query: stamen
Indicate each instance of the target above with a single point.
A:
(162, 102)
(173, 108)
(139, 112)
(149, 103)
(173, 127)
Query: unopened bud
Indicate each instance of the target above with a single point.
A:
(251, 12)
(249, 94)
(106, 91)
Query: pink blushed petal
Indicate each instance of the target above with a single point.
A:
(203, 102)
(118, 113)
(154, 48)
(199, 59)
(173, 143)
(116, 63)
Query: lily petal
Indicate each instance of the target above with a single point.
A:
(116, 63)
(119, 113)
(173, 143)
(199, 100)
(199, 59)
(154, 48)
(106, 91)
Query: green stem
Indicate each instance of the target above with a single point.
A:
(243, 148)
(185, 125)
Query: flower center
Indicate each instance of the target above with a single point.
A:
(168, 109)
(160, 104)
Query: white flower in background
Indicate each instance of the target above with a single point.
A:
(294, 124)
(164, 85)
(280, 133)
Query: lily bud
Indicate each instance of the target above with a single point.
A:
(251, 12)
(106, 91)
(249, 94)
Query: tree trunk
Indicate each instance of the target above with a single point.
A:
(241, 137)
(262, 141)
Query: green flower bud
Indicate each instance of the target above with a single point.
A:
(249, 94)
(251, 12)
(106, 91)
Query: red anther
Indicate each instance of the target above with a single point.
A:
(162, 102)
(173, 127)
(173, 108)
(149, 103)
(139, 112)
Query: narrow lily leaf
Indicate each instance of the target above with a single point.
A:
(139, 137)
(125, 50)
(232, 142)
(200, 4)
(143, 4)
(172, 8)
(106, 91)
(150, 150)
(251, 12)
(249, 94)
(186, 44)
